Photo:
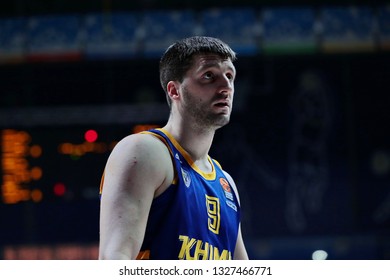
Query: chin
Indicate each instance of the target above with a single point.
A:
(222, 122)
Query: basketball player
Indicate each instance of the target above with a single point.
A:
(163, 196)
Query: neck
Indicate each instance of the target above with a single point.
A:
(195, 140)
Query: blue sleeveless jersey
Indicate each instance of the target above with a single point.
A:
(197, 217)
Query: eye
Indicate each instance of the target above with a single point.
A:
(230, 76)
(208, 76)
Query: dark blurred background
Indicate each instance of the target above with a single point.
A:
(308, 144)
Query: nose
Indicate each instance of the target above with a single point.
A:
(226, 85)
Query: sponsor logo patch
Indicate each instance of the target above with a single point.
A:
(231, 205)
(186, 177)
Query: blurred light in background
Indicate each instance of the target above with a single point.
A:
(36, 195)
(35, 151)
(319, 255)
(91, 135)
(59, 189)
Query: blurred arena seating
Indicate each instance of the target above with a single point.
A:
(289, 30)
(348, 29)
(147, 33)
(161, 28)
(109, 35)
(239, 27)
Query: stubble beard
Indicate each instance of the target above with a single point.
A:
(202, 116)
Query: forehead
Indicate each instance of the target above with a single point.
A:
(204, 61)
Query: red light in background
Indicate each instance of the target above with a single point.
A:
(91, 135)
(59, 189)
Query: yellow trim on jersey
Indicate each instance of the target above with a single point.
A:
(208, 176)
(217, 163)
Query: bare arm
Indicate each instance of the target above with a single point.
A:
(240, 250)
(136, 170)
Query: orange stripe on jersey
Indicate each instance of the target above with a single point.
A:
(143, 255)
(101, 184)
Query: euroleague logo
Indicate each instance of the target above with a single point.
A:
(225, 185)
(228, 193)
(226, 188)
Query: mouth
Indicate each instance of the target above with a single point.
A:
(222, 104)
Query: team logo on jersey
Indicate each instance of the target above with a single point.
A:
(177, 157)
(186, 177)
(226, 188)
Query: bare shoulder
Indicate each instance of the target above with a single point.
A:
(140, 158)
(141, 147)
(139, 140)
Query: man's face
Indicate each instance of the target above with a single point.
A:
(207, 91)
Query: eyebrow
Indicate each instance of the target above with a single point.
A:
(211, 64)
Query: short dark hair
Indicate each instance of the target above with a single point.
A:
(177, 59)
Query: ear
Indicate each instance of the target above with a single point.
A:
(173, 90)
